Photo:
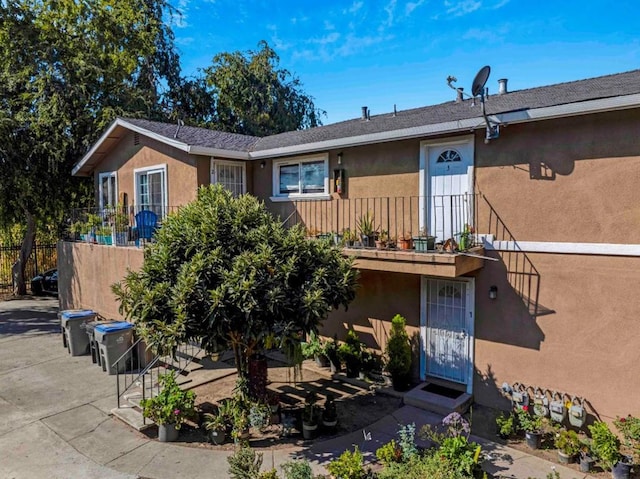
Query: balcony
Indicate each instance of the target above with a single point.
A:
(416, 235)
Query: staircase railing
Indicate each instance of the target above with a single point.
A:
(147, 374)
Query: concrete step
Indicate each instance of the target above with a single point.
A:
(438, 403)
(132, 417)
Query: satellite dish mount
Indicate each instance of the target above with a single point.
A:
(478, 89)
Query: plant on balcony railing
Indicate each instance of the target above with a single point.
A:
(368, 230)
(424, 242)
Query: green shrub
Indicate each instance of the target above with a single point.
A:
(605, 444)
(300, 469)
(463, 456)
(568, 442)
(430, 466)
(245, 463)
(389, 453)
(407, 441)
(398, 352)
(350, 465)
(272, 474)
(506, 424)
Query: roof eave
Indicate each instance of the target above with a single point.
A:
(220, 152)
(470, 124)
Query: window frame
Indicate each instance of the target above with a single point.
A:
(138, 172)
(216, 161)
(277, 164)
(101, 176)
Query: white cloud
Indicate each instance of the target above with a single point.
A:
(184, 41)
(327, 39)
(492, 34)
(328, 25)
(462, 7)
(353, 9)
(389, 8)
(500, 4)
(411, 6)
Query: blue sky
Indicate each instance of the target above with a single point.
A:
(379, 53)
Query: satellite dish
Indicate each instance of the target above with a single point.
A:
(477, 87)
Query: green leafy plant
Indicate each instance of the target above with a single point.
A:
(568, 442)
(398, 352)
(372, 362)
(272, 474)
(629, 427)
(505, 424)
(389, 453)
(463, 455)
(172, 405)
(245, 463)
(215, 422)
(299, 469)
(430, 465)
(527, 422)
(366, 224)
(331, 351)
(605, 444)
(93, 221)
(103, 231)
(313, 347)
(350, 465)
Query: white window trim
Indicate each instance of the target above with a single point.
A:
(277, 196)
(215, 161)
(146, 169)
(106, 174)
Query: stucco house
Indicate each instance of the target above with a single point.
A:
(547, 295)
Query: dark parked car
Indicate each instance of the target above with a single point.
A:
(45, 283)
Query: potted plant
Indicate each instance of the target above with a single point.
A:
(506, 425)
(531, 426)
(330, 413)
(405, 241)
(568, 444)
(367, 229)
(337, 238)
(629, 427)
(372, 365)
(217, 424)
(398, 352)
(350, 353)
(382, 241)
(423, 242)
(466, 237)
(331, 352)
(310, 416)
(349, 237)
(170, 408)
(240, 423)
(103, 235)
(120, 226)
(93, 222)
(314, 348)
(78, 230)
(586, 457)
(606, 447)
(259, 414)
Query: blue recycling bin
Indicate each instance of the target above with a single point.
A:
(114, 340)
(73, 324)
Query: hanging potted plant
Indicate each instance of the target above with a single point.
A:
(310, 416)
(568, 444)
(398, 352)
(170, 408)
(531, 426)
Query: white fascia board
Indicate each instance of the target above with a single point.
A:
(218, 152)
(600, 249)
(470, 124)
(125, 124)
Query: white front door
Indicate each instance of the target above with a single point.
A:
(448, 182)
(448, 329)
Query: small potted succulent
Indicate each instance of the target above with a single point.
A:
(568, 444)
(531, 426)
(170, 408)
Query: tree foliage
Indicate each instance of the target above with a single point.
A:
(67, 68)
(254, 96)
(225, 271)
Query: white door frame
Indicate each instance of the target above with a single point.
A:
(424, 183)
(470, 323)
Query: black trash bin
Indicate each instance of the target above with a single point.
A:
(93, 344)
(73, 323)
(113, 340)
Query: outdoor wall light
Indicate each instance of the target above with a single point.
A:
(262, 163)
(493, 292)
(340, 158)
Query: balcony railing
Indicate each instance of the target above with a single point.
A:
(121, 226)
(424, 223)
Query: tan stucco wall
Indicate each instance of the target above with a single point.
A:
(182, 175)
(594, 176)
(87, 271)
(585, 340)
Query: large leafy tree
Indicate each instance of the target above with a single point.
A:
(67, 68)
(224, 271)
(253, 95)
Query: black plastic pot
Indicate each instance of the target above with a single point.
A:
(533, 439)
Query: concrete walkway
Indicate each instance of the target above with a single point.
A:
(55, 422)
